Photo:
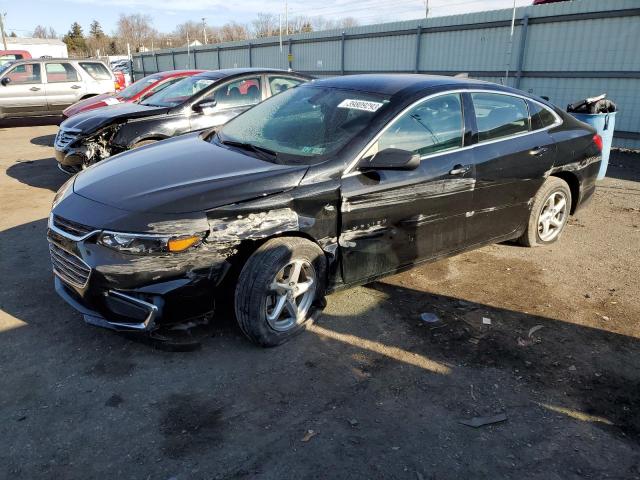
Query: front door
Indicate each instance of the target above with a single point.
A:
(228, 101)
(64, 86)
(393, 218)
(23, 92)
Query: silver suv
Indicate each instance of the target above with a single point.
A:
(48, 86)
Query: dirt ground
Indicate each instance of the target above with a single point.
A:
(375, 391)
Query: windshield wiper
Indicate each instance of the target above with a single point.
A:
(253, 148)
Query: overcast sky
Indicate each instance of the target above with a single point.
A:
(23, 16)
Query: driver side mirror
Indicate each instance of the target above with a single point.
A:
(206, 106)
(5, 81)
(391, 159)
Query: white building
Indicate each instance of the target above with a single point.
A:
(38, 47)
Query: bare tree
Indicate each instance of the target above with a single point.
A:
(266, 25)
(44, 32)
(321, 23)
(233, 31)
(195, 31)
(136, 30)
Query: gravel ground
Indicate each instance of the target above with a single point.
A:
(371, 391)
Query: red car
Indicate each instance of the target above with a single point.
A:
(137, 91)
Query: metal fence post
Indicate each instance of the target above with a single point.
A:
(173, 59)
(523, 49)
(195, 58)
(218, 54)
(289, 55)
(418, 37)
(342, 40)
(155, 57)
(249, 46)
(142, 63)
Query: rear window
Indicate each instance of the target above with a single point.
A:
(96, 70)
(540, 116)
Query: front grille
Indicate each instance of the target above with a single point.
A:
(64, 138)
(72, 228)
(68, 267)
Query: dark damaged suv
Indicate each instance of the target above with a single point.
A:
(327, 185)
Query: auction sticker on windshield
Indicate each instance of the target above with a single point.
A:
(360, 105)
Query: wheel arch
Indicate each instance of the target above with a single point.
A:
(88, 95)
(574, 186)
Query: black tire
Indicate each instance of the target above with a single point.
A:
(552, 185)
(258, 273)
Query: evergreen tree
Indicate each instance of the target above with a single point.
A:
(75, 40)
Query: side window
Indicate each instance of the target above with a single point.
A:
(499, 115)
(540, 116)
(246, 91)
(280, 84)
(96, 70)
(61, 72)
(25, 74)
(435, 125)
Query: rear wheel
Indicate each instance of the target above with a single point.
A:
(549, 213)
(279, 290)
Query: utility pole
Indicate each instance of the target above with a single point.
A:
(286, 15)
(426, 8)
(510, 48)
(4, 35)
(204, 30)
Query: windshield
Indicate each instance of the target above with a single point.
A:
(4, 64)
(136, 87)
(179, 92)
(303, 125)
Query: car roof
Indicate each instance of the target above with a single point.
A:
(230, 72)
(175, 73)
(393, 83)
(57, 59)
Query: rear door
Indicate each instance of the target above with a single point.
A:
(64, 85)
(228, 101)
(393, 218)
(25, 91)
(510, 159)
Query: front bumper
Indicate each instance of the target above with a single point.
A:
(131, 292)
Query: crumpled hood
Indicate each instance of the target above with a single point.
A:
(91, 120)
(183, 174)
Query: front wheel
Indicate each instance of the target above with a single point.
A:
(279, 290)
(549, 213)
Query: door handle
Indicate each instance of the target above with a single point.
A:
(460, 169)
(538, 151)
(34, 89)
(75, 87)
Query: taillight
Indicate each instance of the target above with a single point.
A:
(597, 139)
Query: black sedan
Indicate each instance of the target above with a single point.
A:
(208, 99)
(328, 185)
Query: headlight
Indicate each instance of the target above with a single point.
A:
(142, 244)
(62, 192)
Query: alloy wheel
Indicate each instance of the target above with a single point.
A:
(552, 216)
(291, 295)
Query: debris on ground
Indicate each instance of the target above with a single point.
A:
(477, 422)
(353, 422)
(309, 435)
(533, 330)
(486, 321)
(572, 368)
(429, 317)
